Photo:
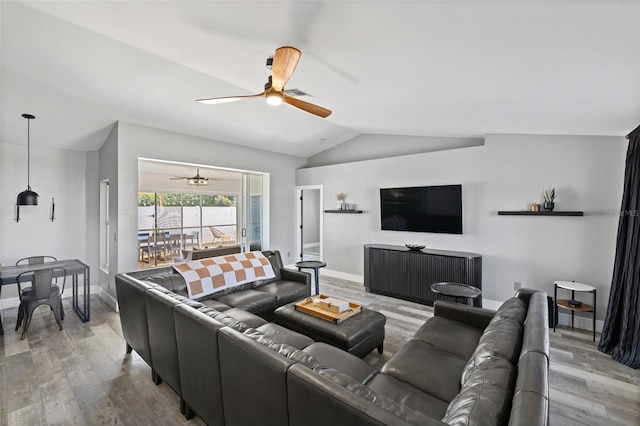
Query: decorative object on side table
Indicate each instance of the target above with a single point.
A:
(549, 196)
(414, 247)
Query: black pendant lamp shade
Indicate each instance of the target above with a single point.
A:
(28, 197)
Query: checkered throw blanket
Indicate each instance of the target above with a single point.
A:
(214, 274)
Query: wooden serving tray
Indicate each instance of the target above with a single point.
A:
(308, 307)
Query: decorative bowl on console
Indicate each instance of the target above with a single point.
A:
(414, 247)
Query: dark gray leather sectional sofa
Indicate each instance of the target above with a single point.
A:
(464, 366)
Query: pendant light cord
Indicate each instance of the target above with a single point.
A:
(28, 153)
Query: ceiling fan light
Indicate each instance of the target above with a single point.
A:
(274, 99)
(197, 182)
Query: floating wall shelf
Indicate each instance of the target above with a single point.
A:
(540, 213)
(344, 211)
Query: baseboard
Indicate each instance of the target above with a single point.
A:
(107, 298)
(342, 275)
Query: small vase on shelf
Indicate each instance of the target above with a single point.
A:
(548, 206)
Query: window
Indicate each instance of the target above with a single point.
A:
(104, 226)
(169, 223)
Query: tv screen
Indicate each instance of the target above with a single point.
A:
(422, 209)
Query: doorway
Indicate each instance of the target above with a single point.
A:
(309, 222)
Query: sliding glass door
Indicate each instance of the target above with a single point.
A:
(252, 212)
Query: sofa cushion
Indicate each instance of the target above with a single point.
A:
(449, 335)
(284, 335)
(225, 319)
(171, 281)
(501, 338)
(249, 300)
(247, 318)
(514, 309)
(285, 291)
(343, 361)
(439, 370)
(214, 304)
(405, 414)
(408, 395)
(485, 399)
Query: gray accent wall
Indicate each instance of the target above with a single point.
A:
(508, 172)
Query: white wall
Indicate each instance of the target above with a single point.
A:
(55, 174)
(144, 142)
(370, 147)
(108, 170)
(508, 173)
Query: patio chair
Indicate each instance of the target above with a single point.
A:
(226, 238)
(44, 291)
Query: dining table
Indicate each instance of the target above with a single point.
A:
(73, 267)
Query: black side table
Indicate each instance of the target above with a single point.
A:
(457, 290)
(312, 264)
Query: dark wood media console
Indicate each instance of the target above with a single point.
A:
(399, 272)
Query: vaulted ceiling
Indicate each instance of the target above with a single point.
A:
(422, 68)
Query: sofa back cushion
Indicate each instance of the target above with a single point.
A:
(485, 398)
(514, 309)
(501, 338)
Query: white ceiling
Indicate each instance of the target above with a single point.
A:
(423, 68)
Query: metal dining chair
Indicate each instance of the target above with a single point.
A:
(37, 260)
(34, 260)
(43, 291)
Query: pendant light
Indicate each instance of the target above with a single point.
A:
(28, 197)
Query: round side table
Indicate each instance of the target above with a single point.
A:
(312, 264)
(458, 291)
(572, 304)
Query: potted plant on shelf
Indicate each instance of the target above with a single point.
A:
(340, 197)
(549, 196)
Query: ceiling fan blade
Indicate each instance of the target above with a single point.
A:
(284, 63)
(307, 106)
(224, 100)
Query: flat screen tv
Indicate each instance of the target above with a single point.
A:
(422, 209)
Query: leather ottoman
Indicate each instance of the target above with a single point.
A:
(358, 335)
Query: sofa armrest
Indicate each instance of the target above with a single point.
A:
(469, 315)
(299, 276)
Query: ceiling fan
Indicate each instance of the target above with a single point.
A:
(196, 180)
(285, 61)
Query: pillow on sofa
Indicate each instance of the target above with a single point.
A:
(485, 399)
(208, 276)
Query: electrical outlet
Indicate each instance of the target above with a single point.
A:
(517, 285)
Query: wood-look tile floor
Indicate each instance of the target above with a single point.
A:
(82, 375)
